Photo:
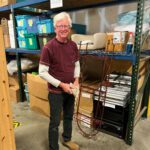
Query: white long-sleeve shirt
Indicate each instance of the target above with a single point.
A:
(43, 73)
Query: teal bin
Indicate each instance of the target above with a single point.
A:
(79, 28)
(31, 41)
(22, 20)
(18, 1)
(21, 31)
(45, 26)
(22, 42)
(31, 24)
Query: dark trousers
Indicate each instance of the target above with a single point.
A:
(59, 102)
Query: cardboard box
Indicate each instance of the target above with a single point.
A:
(14, 93)
(13, 80)
(116, 41)
(37, 86)
(146, 43)
(7, 41)
(6, 2)
(4, 23)
(39, 105)
(86, 97)
(85, 118)
(109, 44)
(85, 112)
(86, 101)
(148, 112)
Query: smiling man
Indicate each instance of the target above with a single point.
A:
(59, 66)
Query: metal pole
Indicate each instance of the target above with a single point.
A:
(18, 59)
(135, 70)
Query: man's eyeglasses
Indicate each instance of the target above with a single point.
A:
(63, 26)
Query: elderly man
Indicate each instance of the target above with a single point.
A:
(59, 66)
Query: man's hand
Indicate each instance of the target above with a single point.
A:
(75, 90)
(66, 87)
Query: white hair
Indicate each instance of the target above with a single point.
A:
(61, 16)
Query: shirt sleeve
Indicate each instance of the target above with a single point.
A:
(45, 56)
(43, 73)
(77, 69)
(75, 48)
(77, 57)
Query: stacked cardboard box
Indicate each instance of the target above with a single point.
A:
(85, 117)
(14, 87)
(6, 2)
(148, 112)
(85, 104)
(38, 94)
(116, 41)
(143, 67)
(4, 23)
(14, 93)
(13, 80)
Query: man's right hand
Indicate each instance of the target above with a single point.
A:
(66, 87)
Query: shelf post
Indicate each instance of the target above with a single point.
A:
(135, 70)
(18, 60)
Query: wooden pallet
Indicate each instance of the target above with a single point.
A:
(7, 141)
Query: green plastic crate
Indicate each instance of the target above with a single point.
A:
(31, 41)
(17, 1)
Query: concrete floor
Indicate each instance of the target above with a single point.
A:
(32, 134)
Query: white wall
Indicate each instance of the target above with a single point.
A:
(99, 19)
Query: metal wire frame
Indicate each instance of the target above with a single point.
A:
(94, 123)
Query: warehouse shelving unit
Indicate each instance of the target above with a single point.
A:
(22, 51)
(114, 55)
(75, 5)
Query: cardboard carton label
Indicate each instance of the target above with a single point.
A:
(86, 95)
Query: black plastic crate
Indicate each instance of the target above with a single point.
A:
(113, 129)
(118, 114)
(44, 38)
(114, 120)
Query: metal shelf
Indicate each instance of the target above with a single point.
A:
(28, 3)
(120, 56)
(23, 51)
(21, 4)
(66, 6)
(115, 55)
(4, 8)
(75, 5)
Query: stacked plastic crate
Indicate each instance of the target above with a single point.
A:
(21, 30)
(45, 31)
(29, 26)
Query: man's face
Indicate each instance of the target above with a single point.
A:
(62, 29)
